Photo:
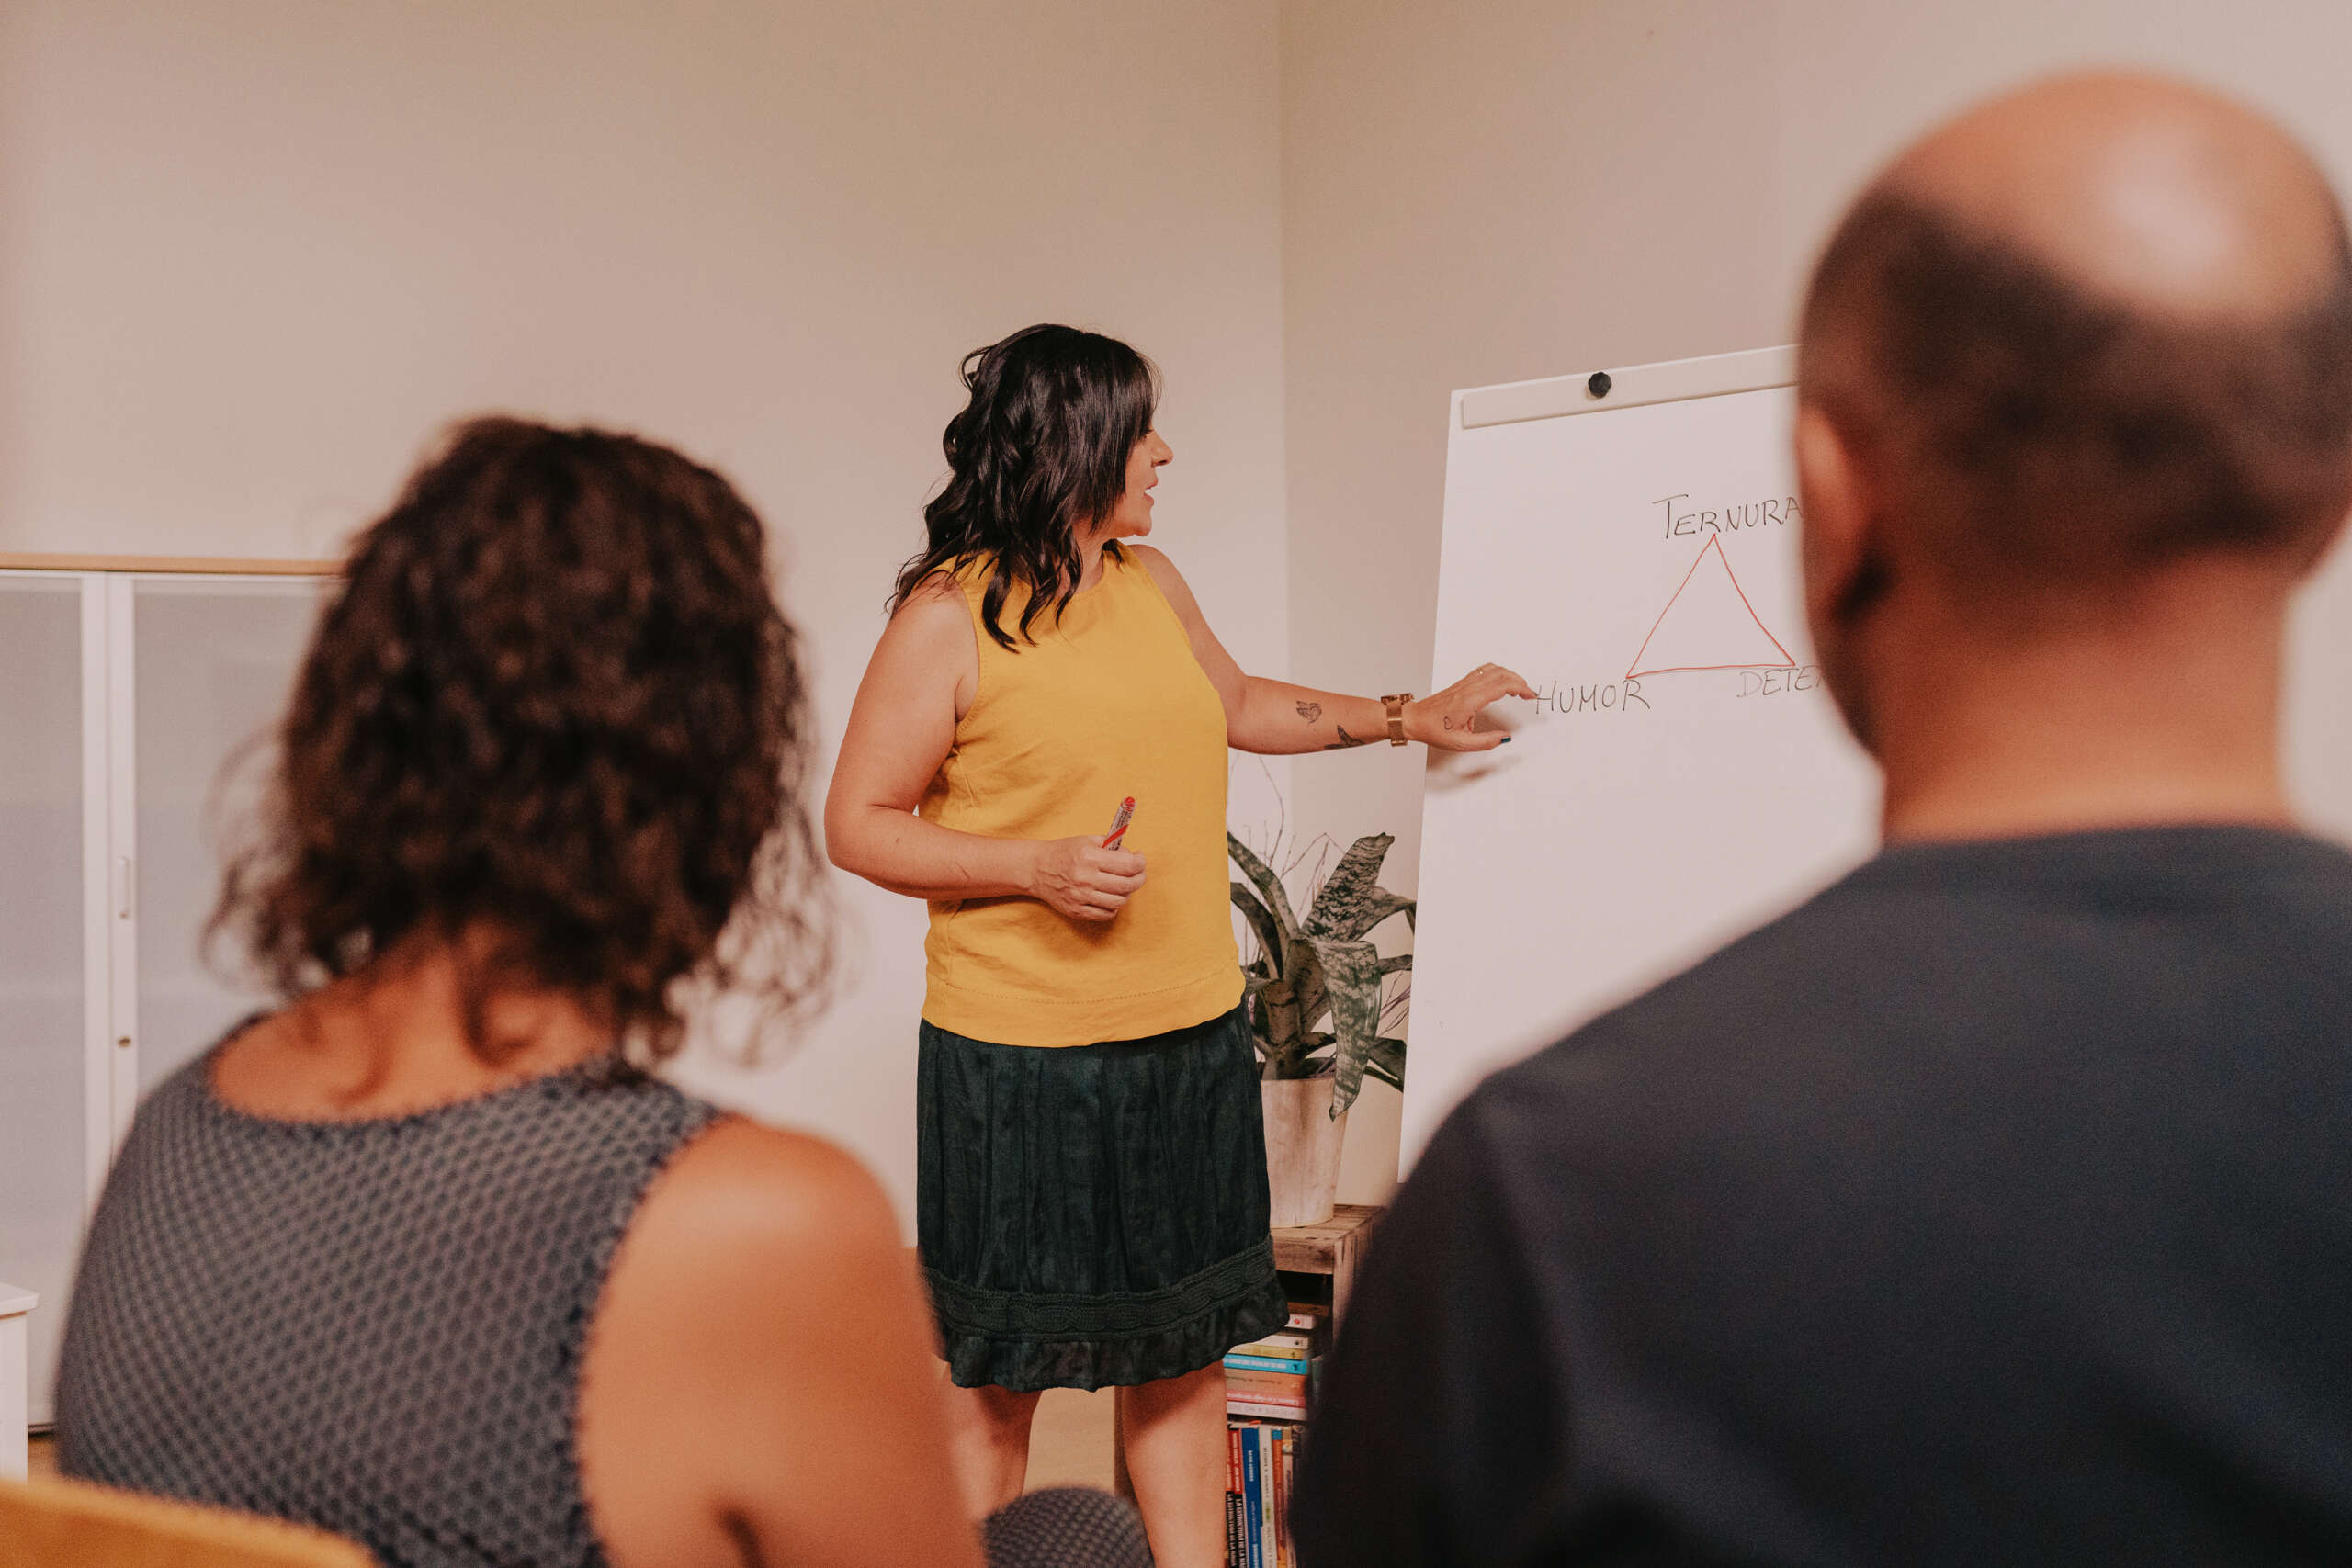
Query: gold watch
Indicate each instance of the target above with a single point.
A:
(1395, 706)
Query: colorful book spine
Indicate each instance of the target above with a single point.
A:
(1261, 1410)
(1236, 1361)
(1287, 1461)
(1236, 1533)
(1253, 1499)
(1266, 1492)
(1292, 1397)
(1294, 1347)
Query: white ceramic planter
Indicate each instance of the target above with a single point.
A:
(1303, 1146)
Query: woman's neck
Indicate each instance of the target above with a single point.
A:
(392, 1040)
(1090, 563)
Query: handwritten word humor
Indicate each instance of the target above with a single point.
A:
(1617, 696)
(1678, 517)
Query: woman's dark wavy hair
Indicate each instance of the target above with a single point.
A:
(555, 712)
(1039, 453)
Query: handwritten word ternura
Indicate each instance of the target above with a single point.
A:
(1677, 516)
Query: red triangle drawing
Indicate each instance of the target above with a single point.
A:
(1708, 624)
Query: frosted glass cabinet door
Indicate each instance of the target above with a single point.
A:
(214, 661)
(41, 1042)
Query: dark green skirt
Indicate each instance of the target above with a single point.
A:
(1093, 1215)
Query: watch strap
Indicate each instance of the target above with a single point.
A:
(1395, 706)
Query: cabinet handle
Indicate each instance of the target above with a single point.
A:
(122, 888)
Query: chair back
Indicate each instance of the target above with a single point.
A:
(1066, 1527)
(70, 1524)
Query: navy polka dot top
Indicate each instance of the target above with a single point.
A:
(374, 1327)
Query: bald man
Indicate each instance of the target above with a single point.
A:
(1994, 1206)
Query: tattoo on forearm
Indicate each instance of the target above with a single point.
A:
(1345, 740)
(1310, 712)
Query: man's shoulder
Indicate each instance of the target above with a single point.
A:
(1706, 1018)
(1935, 966)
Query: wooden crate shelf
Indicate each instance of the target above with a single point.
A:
(1334, 1249)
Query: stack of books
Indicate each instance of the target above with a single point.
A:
(1260, 1457)
(1269, 1380)
(1269, 1386)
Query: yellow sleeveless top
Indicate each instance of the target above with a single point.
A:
(1107, 703)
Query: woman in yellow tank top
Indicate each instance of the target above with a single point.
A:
(1092, 1185)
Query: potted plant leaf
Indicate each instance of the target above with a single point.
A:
(1316, 1012)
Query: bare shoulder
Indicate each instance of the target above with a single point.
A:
(1154, 558)
(1163, 571)
(933, 606)
(748, 1235)
(740, 1157)
(716, 1401)
(940, 589)
(932, 628)
(747, 1196)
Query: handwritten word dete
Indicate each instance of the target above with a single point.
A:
(1616, 696)
(1773, 683)
(1772, 511)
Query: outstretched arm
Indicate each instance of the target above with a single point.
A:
(1279, 718)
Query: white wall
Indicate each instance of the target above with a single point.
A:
(1518, 188)
(252, 254)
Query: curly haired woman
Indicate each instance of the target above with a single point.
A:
(422, 1257)
(1091, 1176)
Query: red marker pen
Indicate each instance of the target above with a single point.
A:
(1119, 823)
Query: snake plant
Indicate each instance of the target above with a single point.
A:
(1314, 987)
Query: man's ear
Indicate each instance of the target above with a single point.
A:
(1844, 567)
(2322, 542)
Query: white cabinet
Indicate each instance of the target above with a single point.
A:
(45, 1082)
(122, 696)
(213, 662)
